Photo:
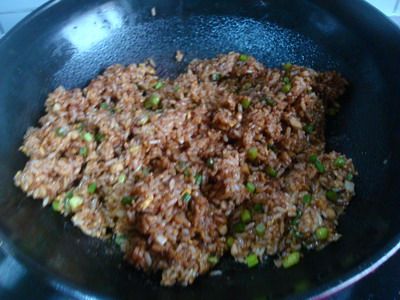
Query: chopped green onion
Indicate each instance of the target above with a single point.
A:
(272, 147)
(245, 216)
(313, 158)
(246, 86)
(186, 172)
(309, 128)
(286, 80)
(322, 233)
(243, 57)
(317, 163)
(88, 137)
(99, 137)
(83, 151)
(286, 88)
(307, 198)
(198, 179)
(159, 85)
(291, 260)
(239, 227)
(340, 162)
(152, 102)
(105, 106)
(245, 103)
(92, 188)
(56, 205)
(252, 260)
(127, 200)
(212, 259)
(143, 119)
(75, 202)
(258, 208)
(271, 172)
(186, 197)
(252, 153)
(120, 239)
(177, 88)
(81, 127)
(122, 178)
(69, 195)
(331, 195)
(287, 66)
(260, 229)
(61, 132)
(251, 188)
(215, 76)
(269, 101)
(349, 177)
(229, 241)
(210, 162)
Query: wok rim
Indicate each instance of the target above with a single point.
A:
(63, 285)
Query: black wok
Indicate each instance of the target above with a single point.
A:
(69, 42)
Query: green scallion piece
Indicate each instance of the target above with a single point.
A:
(83, 151)
(104, 106)
(88, 137)
(152, 102)
(260, 229)
(349, 177)
(252, 153)
(186, 197)
(287, 66)
(121, 178)
(212, 259)
(340, 162)
(308, 128)
(215, 76)
(307, 198)
(313, 158)
(251, 188)
(269, 101)
(127, 200)
(322, 233)
(198, 179)
(246, 102)
(243, 57)
(291, 260)
(120, 239)
(252, 260)
(286, 80)
(331, 195)
(317, 163)
(271, 172)
(258, 207)
(159, 85)
(239, 227)
(186, 172)
(75, 202)
(229, 241)
(61, 132)
(99, 137)
(56, 205)
(286, 88)
(245, 216)
(92, 188)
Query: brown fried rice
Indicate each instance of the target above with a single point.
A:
(228, 157)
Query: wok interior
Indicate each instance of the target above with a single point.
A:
(71, 47)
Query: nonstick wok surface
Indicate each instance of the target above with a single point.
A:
(69, 42)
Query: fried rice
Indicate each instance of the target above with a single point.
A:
(228, 158)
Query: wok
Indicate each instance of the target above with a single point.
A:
(69, 42)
